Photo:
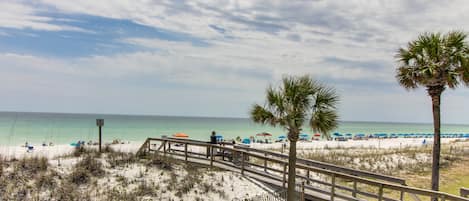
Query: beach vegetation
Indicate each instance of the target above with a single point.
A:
(434, 61)
(85, 169)
(298, 101)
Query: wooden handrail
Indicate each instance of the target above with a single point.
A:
(330, 166)
(260, 154)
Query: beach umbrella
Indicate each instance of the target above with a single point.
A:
(282, 137)
(304, 135)
(337, 134)
(264, 134)
(181, 135)
(246, 141)
(219, 137)
(317, 135)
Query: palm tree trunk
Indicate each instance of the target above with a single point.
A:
(291, 171)
(435, 93)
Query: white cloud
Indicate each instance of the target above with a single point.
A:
(254, 43)
(22, 16)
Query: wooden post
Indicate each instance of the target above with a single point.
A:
(242, 163)
(284, 175)
(464, 192)
(223, 154)
(265, 162)
(148, 146)
(380, 195)
(100, 123)
(185, 151)
(402, 193)
(169, 146)
(211, 156)
(307, 175)
(443, 198)
(164, 147)
(303, 191)
(354, 193)
(333, 187)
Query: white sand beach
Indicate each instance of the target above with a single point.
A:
(132, 147)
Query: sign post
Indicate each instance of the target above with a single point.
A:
(100, 123)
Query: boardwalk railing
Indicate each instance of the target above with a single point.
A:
(323, 181)
(326, 166)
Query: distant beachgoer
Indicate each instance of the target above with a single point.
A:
(213, 138)
(424, 141)
(51, 144)
(44, 144)
(26, 144)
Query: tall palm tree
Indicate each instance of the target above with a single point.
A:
(297, 101)
(434, 61)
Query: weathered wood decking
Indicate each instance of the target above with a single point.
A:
(323, 181)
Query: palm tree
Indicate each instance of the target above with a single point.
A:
(434, 61)
(297, 101)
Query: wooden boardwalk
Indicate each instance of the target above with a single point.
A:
(322, 181)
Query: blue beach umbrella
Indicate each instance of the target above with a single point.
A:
(282, 137)
(337, 134)
(360, 135)
(246, 141)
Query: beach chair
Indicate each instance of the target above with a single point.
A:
(30, 149)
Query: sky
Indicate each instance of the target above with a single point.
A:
(216, 58)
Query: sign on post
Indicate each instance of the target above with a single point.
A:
(100, 123)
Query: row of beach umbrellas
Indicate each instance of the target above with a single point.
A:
(305, 136)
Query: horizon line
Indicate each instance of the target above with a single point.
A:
(201, 116)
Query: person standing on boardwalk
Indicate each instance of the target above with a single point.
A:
(213, 138)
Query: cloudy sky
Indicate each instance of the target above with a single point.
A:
(215, 58)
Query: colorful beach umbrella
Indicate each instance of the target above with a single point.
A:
(264, 134)
(181, 135)
(246, 141)
(317, 135)
(337, 134)
(282, 137)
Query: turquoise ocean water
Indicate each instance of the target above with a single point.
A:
(18, 127)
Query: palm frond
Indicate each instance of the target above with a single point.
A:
(324, 121)
(434, 59)
(263, 116)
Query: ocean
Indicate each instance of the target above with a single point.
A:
(16, 128)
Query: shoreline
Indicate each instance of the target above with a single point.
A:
(51, 152)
